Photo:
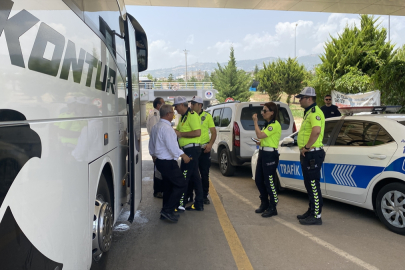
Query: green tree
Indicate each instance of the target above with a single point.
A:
(180, 80)
(256, 72)
(290, 76)
(231, 82)
(207, 77)
(400, 55)
(170, 78)
(356, 55)
(390, 79)
(268, 81)
(150, 77)
(193, 79)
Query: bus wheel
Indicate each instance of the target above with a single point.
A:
(103, 220)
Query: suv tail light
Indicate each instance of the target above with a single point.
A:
(236, 134)
(294, 128)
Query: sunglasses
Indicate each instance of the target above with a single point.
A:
(328, 99)
(265, 111)
(301, 98)
(193, 103)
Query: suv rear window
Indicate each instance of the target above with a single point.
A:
(247, 122)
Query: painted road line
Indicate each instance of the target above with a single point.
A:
(308, 235)
(239, 255)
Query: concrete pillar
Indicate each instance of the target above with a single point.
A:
(143, 112)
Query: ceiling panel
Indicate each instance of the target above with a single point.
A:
(170, 3)
(311, 6)
(276, 5)
(382, 7)
(242, 4)
(345, 8)
(207, 3)
(400, 12)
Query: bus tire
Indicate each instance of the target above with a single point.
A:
(103, 221)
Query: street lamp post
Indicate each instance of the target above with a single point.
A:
(295, 41)
(185, 53)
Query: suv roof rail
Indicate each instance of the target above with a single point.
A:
(236, 101)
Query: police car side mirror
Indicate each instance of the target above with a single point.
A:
(288, 142)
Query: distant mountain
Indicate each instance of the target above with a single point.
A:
(309, 61)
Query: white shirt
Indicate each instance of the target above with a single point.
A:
(153, 118)
(163, 141)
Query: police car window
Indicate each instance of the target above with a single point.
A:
(247, 122)
(226, 117)
(359, 133)
(329, 126)
(383, 137)
(216, 116)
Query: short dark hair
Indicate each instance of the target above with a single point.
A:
(157, 101)
(328, 96)
(313, 99)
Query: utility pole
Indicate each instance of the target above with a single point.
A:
(389, 28)
(295, 42)
(185, 53)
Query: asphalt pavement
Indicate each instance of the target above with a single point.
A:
(228, 234)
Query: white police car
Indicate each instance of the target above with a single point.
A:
(364, 165)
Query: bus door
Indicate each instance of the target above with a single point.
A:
(137, 55)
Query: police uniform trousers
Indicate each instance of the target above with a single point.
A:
(267, 163)
(192, 176)
(204, 164)
(311, 166)
(173, 183)
(157, 184)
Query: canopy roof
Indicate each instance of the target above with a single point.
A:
(380, 7)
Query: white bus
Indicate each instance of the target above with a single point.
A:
(70, 151)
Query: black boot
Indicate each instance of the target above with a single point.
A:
(263, 206)
(271, 211)
(305, 215)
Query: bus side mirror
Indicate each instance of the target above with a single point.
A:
(141, 44)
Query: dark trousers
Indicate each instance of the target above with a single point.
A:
(173, 183)
(204, 164)
(157, 184)
(267, 163)
(311, 166)
(192, 176)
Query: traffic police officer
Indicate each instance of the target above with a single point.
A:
(153, 119)
(268, 159)
(312, 154)
(188, 133)
(207, 126)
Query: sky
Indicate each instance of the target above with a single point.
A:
(209, 33)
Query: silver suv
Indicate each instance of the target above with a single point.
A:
(233, 122)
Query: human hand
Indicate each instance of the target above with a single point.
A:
(178, 133)
(186, 159)
(258, 142)
(208, 148)
(254, 117)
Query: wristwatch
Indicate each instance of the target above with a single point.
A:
(305, 146)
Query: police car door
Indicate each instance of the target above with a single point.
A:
(216, 116)
(359, 154)
(290, 167)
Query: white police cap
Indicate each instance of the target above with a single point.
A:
(179, 100)
(308, 92)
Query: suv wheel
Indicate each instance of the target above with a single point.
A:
(390, 207)
(225, 165)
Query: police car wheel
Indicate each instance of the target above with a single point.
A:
(390, 207)
(225, 165)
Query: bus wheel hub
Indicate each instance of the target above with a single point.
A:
(102, 228)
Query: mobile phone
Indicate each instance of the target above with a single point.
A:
(255, 140)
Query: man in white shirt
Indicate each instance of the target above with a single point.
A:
(153, 118)
(164, 149)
